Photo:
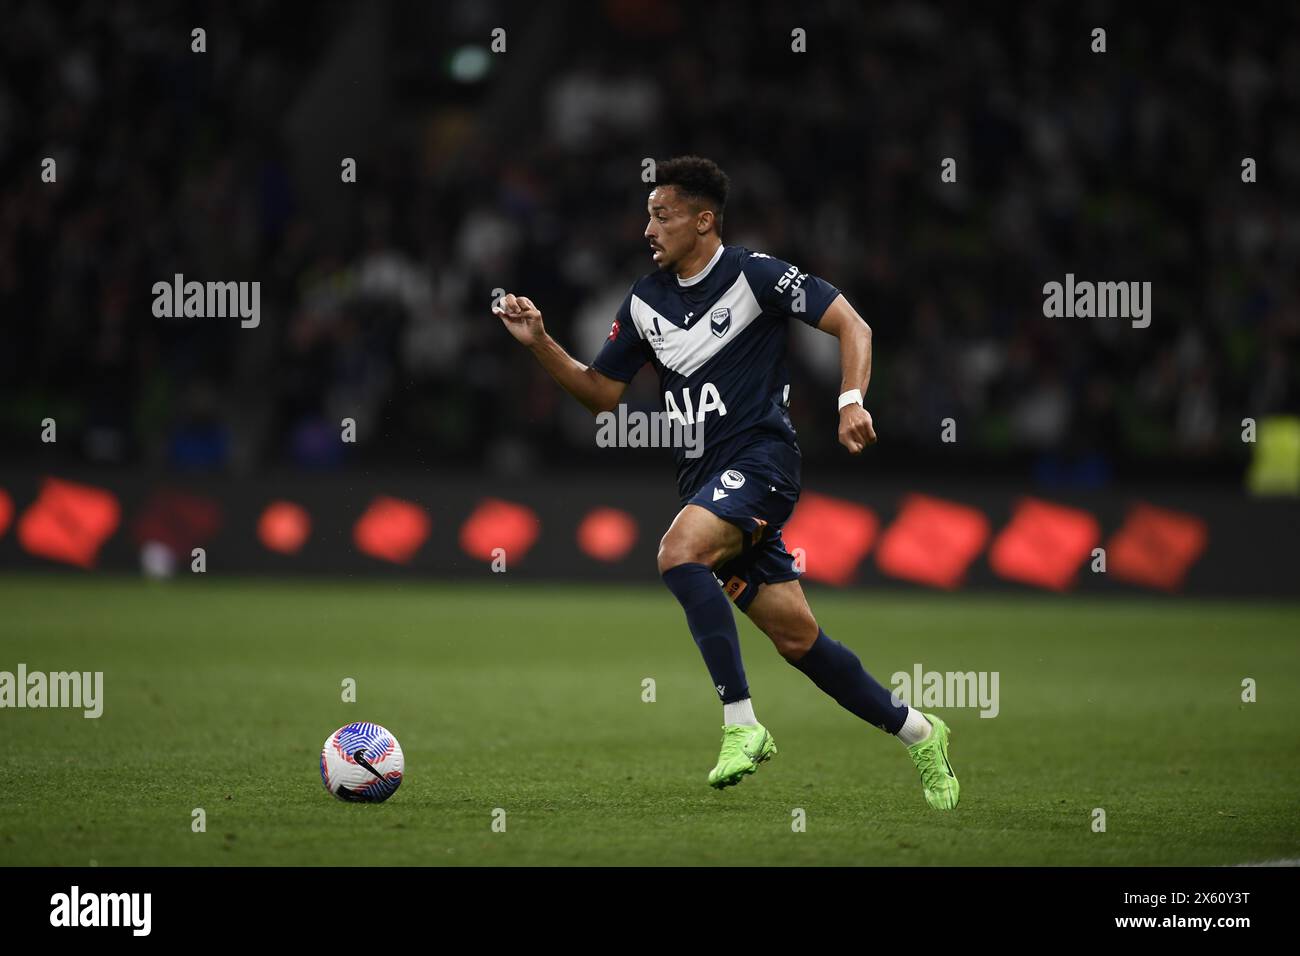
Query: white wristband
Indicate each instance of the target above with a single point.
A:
(852, 397)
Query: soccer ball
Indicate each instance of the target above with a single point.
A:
(361, 763)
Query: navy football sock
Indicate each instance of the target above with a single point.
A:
(836, 670)
(708, 614)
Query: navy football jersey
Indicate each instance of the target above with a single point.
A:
(718, 342)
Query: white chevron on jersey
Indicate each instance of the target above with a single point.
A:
(685, 350)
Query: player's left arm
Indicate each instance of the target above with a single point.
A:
(842, 321)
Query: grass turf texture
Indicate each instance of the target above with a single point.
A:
(218, 695)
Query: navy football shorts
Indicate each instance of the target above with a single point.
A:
(756, 492)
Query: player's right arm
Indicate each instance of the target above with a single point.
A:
(595, 390)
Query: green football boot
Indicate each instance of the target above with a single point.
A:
(744, 747)
(931, 758)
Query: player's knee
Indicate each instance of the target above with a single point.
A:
(795, 637)
(676, 550)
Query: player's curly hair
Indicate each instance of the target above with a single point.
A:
(697, 178)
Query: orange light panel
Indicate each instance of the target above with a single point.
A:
(1044, 544)
(607, 534)
(835, 536)
(932, 541)
(391, 529)
(69, 522)
(284, 527)
(499, 524)
(1156, 547)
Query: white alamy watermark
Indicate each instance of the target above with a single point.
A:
(922, 688)
(75, 908)
(637, 429)
(208, 300)
(82, 690)
(1102, 300)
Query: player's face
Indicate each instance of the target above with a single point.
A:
(673, 228)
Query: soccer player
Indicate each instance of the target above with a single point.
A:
(713, 320)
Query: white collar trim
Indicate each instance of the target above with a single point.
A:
(699, 276)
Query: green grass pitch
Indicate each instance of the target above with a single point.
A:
(218, 694)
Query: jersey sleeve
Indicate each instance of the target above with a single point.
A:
(786, 290)
(624, 351)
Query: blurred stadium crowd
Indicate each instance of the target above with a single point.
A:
(521, 170)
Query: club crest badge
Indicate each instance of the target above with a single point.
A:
(720, 321)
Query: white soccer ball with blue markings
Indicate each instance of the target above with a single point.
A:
(362, 763)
